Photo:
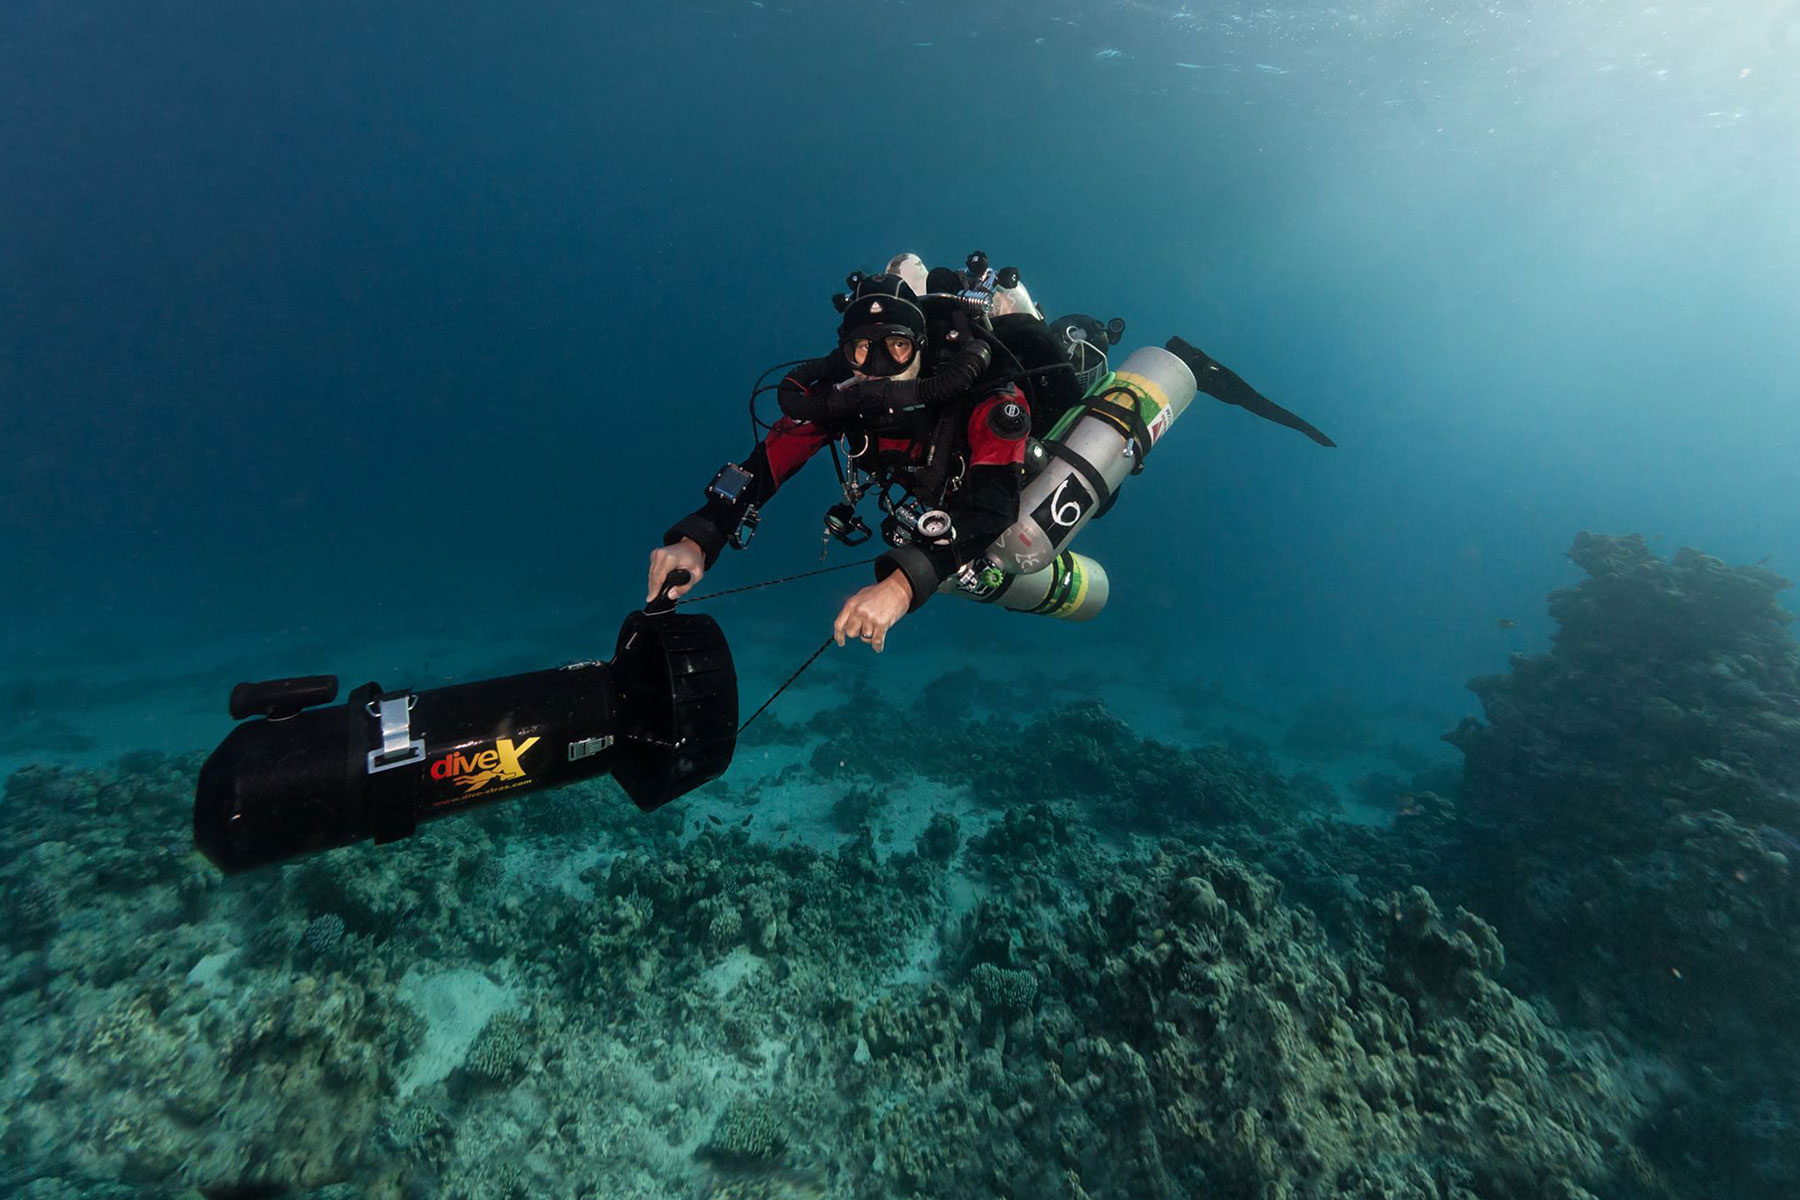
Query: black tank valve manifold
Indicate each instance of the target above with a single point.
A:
(295, 777)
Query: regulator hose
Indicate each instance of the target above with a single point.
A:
(878, 398)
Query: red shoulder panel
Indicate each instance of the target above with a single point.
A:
(992, 441)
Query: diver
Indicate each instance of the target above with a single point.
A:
(988, 435)
(913, 413)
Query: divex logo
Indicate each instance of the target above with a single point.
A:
(473, 772)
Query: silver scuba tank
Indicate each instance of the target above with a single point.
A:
(1090, 452)
(1073, 587)
(1092, 457)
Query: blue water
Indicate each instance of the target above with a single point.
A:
(331, 305)
(387, 339)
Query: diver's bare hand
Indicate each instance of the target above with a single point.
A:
(870, 613)
(684, 555)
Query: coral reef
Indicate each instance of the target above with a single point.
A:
(502, 1050)
(323, 933)
(942, 838)
(714, 1003)
(134, 1061)
(1197, 1036)
(747, 1132)
(1003, 990)
(1086, 964)
(1078, 752)
(1633, 812)
(855, 808)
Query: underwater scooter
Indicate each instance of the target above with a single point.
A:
(660, 717)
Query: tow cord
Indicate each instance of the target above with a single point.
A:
(823, 646)
(750, 587)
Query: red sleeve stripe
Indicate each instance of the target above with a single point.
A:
(789, 444)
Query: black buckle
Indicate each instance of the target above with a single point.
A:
(842, 523)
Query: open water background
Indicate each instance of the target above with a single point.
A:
(347, 315)
(385, 340)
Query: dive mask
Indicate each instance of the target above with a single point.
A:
(883, 328)
(881, 351)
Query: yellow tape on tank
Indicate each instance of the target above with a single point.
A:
(1068, 590)
(1152, 402)
(1127, 389)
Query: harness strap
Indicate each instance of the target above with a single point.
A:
(1129, 423)
(1090, 474)
(933, 479)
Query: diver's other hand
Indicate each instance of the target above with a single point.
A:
(684, 555)
(868, 615)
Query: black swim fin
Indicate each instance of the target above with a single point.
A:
(1222, 383)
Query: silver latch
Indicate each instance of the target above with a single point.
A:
(398, 746)
(588, 747)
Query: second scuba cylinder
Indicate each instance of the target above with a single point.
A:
(1072, 588)
(1104, 442)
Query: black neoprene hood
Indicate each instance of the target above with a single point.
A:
(883, 301)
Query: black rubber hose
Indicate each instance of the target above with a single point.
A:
(884, 397)
(879, 397)
(800, 395)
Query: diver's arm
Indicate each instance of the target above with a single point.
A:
(885, 399)
(826, 390)
(985, 505)
(783, 451)
(709, 526)
(684, 555)
(982, 508)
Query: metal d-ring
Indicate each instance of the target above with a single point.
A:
(398, 746)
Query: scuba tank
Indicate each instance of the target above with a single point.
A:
(1091, 428)
(1093, 449)
(1085, 459)
(1073, 587)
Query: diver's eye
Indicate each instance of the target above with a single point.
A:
(857, 351)
(900, 349)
